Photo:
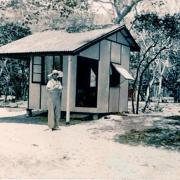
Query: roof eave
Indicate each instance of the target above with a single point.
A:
(28, 54)
(78, 50)
(134, 47)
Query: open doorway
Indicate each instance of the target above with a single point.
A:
(87, 82)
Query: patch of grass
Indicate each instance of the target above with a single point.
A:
(173, 117)
(176, 123)
(156, 136)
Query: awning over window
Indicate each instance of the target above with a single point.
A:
(123, 71)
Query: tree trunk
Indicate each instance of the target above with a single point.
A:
(139, 90)
(160, 87)
(142, 74)
(147, 99)
(137, 74)
(124, 10)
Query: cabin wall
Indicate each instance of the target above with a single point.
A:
(73, 77)
(123, 105)
(103, 81)
(41, 103)
(92, 52)
(44, 97)
(112, 37)
(64, 83)
(121, 39)
(48, 69)
(115, 53)
(37, 91)
(120, 53)
(73, 83)
(109, 99)
(114, 91)
(34, 92)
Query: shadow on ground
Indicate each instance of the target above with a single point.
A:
(164, 133)
(41, 120)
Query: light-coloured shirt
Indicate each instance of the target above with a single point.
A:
(54, 85)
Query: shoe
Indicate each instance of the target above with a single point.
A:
(56, 128)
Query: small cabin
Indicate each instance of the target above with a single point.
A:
(95, 65)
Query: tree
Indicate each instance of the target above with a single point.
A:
(157, 35)
(42, 15)
(11, 75)
(171, 79)
(118, 9)
(122, 8)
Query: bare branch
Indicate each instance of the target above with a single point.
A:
(142, 74)
(126, 10)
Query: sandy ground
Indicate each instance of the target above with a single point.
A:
(86, 150)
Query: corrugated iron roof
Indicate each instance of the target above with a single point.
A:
(60, 41)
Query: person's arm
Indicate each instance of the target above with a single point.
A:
(49, 86)
(59, 86)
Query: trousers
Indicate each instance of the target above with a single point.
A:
(54, 108)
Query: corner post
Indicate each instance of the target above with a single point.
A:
(68, 90)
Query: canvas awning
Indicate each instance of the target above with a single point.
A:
(123, 71)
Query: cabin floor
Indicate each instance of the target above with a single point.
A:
(89, 149)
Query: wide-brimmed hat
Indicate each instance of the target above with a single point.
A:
(59, 73)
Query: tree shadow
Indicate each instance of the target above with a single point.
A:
(38, 120)
(42, 119)
(164, 133)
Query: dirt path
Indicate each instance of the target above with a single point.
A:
(84, 150)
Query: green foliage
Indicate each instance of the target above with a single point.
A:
(167, 25)
(13, 73)
(157, 36)
(20, 18)
(158, 109)
(153, 33)
(14, 79)
(80, 22)
(10, 31)
(42, 15)
(171, 80)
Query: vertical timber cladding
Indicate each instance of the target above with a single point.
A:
(48, 66)
(64, 83)
(103, 87)
(49, 63)
(125, 56)
(41, 66)
(120, 52)
(114, 94)
(34, 86)
(72, 83)
(29, 79)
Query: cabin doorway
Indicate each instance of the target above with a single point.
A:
(87, 82)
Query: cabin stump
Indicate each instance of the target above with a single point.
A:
(29, 112)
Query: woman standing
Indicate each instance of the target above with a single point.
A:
(54, 89)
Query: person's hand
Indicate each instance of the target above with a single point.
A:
(56, 86)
